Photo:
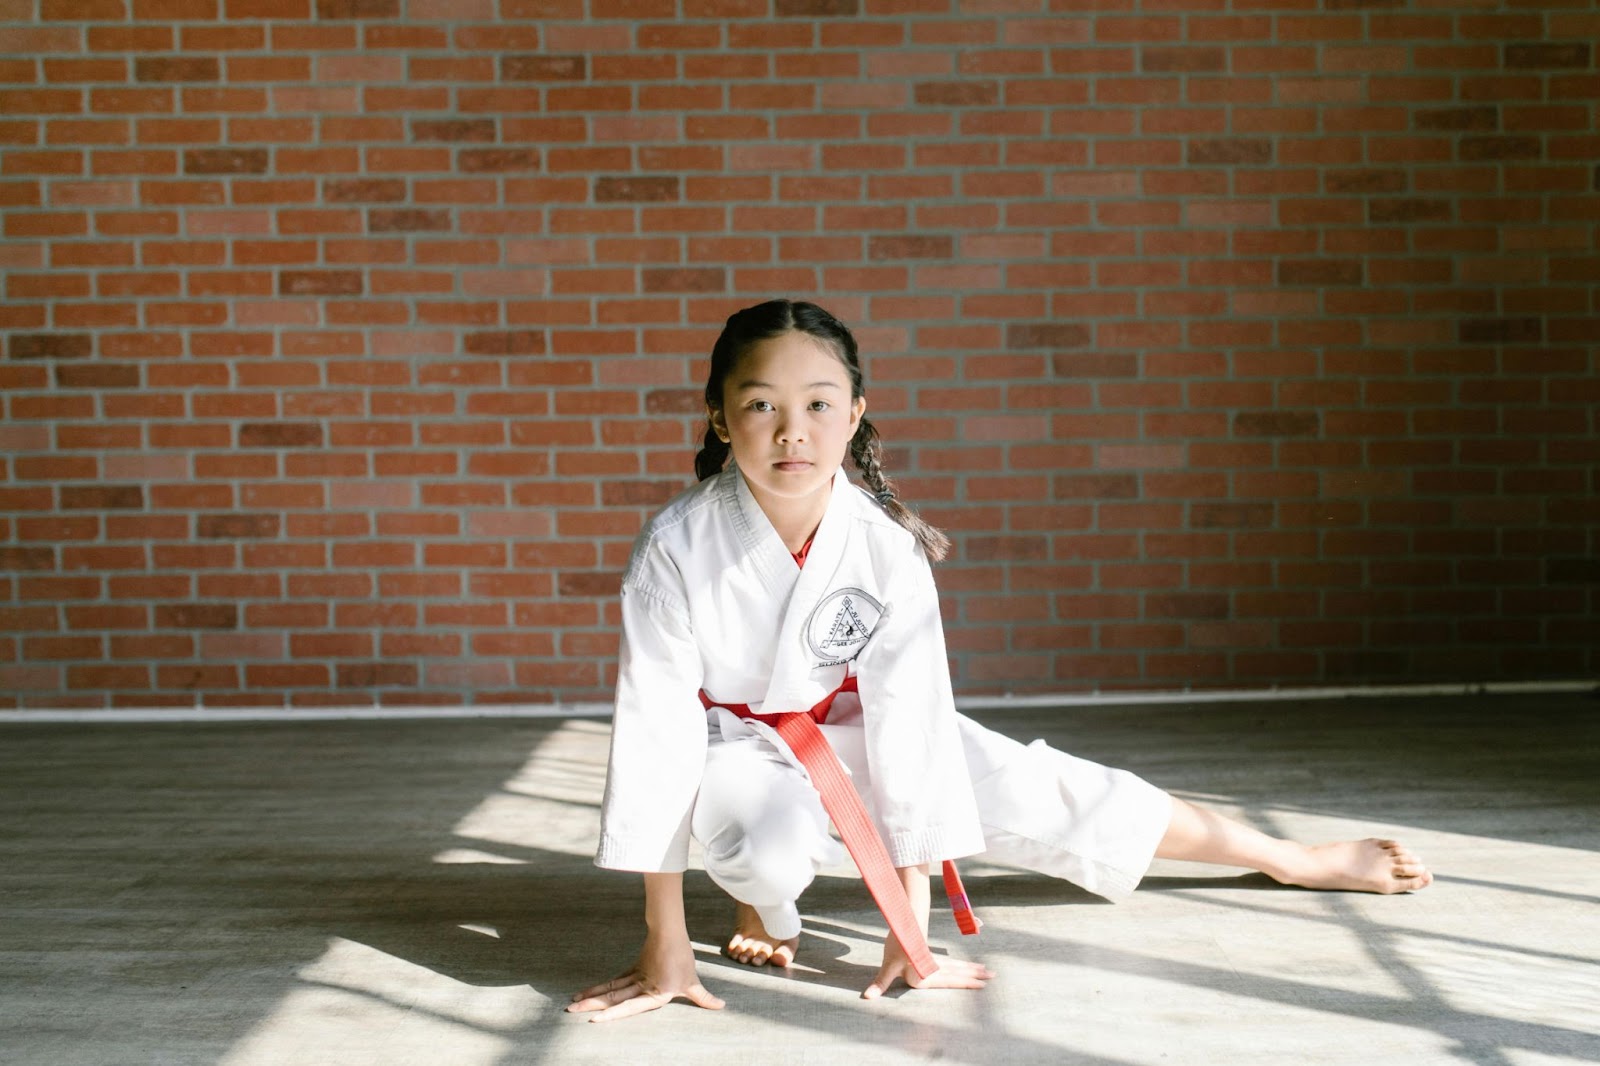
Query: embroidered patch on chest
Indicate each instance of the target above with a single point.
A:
(840, 625)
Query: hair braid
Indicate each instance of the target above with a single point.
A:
(866, 451)
(712, 457)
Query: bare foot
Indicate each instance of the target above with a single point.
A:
(1369, 865)
(750, 943)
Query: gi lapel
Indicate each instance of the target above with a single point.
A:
(772, 560)
(791, 687)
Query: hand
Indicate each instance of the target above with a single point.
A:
(952, 973)
(664, 972)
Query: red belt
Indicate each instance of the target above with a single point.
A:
(843, 804)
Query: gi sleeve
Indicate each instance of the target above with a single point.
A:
(658, 736)
(921, 788)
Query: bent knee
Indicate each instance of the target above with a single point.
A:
(773, 857)
(761, 873)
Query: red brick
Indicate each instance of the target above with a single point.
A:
(636, 189)
(909, 247)
(697, 279)
(357, 9)
(1548, 55)
(817, 8)
(1238, 151)
(320, 282)
(957, 93)
(543, 67)
(175, 69)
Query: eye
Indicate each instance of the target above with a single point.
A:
(760, 405)
(820, 405)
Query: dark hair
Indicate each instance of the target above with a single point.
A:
(750, 327)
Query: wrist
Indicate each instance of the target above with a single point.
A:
(663, 905)
(914, 879)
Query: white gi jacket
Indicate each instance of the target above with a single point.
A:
(713, 600)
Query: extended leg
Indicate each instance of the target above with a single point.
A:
(1197, 834)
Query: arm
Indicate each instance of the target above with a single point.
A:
(921, 788)
(665, 968)
(952, 973)
(658, 735)
(658, 738)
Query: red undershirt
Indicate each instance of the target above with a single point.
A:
(805, 550)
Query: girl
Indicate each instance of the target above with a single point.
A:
(779, 622)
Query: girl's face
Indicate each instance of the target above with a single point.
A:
(788, 417)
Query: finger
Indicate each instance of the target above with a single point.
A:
(639, 1004)
(966, 965)
(597, 1000)
(584, 1006)
(622, 994)
(607, 999)
(604, 986)
(880, 984)
(701, 997)
(953, 973)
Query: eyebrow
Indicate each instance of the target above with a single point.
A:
(768, 385)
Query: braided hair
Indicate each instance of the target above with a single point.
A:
(745, 329)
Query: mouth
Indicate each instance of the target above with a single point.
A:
(792, 465)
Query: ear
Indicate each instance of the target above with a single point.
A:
(857, 410)
(718, 422)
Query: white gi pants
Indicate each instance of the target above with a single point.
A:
(765, 834)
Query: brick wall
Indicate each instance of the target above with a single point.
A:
(348, 342)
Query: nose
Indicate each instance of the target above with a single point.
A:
(789, 430)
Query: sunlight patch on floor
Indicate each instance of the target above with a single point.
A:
(1157, 1017)
(467, 856)
(358, 1005)
(1505, 983)
(551, 804)
(1523, 1057)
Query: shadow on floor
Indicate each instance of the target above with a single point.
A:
(174, 889)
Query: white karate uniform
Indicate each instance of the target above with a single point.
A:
(712, 600)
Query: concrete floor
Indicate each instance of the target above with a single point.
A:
(421, 892)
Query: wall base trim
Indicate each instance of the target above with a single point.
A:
(1011, 701)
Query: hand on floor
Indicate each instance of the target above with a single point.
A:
(664, 972)
(952, 973)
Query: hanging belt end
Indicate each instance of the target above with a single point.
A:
(960, 906)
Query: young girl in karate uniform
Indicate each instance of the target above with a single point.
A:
(776, 586)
